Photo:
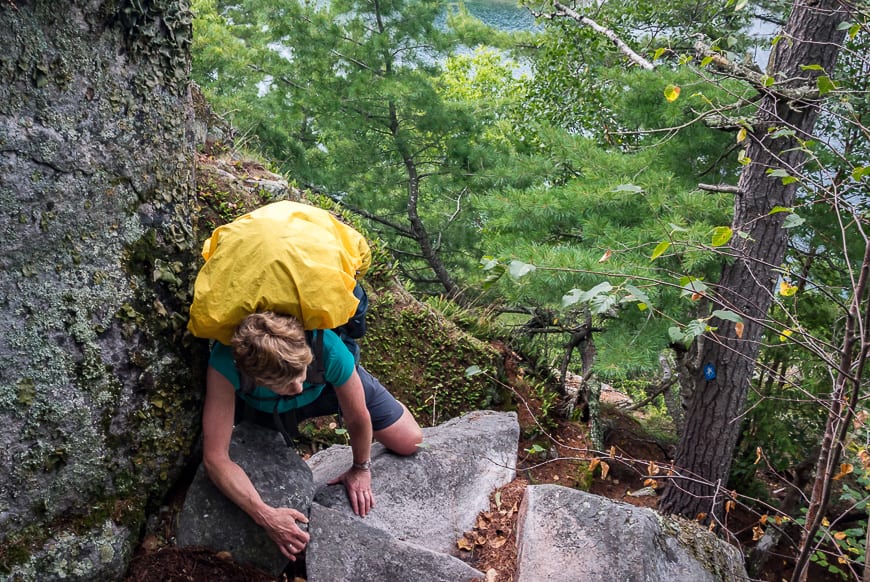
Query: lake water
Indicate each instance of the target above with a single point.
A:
(504, 15)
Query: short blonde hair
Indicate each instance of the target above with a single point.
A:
(271, 348)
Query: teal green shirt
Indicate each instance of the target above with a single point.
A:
(338, 364)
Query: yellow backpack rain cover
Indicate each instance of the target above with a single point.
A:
(285, 257)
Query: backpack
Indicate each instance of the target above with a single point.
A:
(285, 257)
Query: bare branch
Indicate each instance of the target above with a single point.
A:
(723, 188)
(620, 44)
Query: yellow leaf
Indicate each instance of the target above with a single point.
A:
(845, 469)
(843, 560)
(605, 469)
(738, 329)
(840, 535)
(741, 135)
(786, 289)
(757, 454)
(825, 522)
(757, 533)
(594, 463)
(650, 483)
(660, 249)
(786, 333)
(763, 519)
(729, 505)
(605, 256)
(672, 92)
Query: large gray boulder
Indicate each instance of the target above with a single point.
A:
(281, 477)
(99, 398)
(433, 497)
(566, 535)
(344, 549)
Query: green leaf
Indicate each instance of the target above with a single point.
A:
(494, 275)
(472, 371)
(782, 133)
(780, 173)
(672, 92)
(677, 228)
(660, 249)
(792, 220)
(825, 85)
(628, 188)
(721, 235)
(487, 263)
(602, 303)
(638, 295)
(706, 61)
(767, 81)
(812, 67)
(573, 296)
(676, 334)
(604, 287)
(741, 4)
(776, 209)
(659, 52)
(859, 172)
(692, 286)
(518, 269)
(742, 158)
(695, 328)
(727, 315)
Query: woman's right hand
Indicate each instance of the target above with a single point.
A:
(280, 524)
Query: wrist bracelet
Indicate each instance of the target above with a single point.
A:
(364, 466)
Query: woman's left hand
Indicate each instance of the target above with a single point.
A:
(358, 484)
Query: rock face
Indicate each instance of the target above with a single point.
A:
(423, 502)
(280, 476)
(432, 498)
(568, 535)
(343, 548)
(96, 174)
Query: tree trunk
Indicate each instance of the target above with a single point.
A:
(97, 397)
(843, 402)
(704, 455)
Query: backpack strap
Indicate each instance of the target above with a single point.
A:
(247, 386)
(316, 373)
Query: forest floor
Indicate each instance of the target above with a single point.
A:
(491, 545)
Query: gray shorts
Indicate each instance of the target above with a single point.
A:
(383, 407)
